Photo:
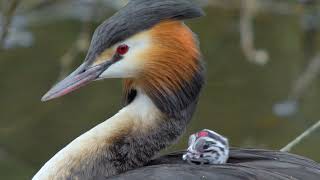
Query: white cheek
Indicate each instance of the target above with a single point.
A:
(121, 69)
(131, 64)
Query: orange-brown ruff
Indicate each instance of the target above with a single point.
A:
(173, 60)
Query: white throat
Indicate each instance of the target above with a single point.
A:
(82, 152)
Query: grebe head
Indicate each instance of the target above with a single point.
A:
(207, 146)
(147, 44)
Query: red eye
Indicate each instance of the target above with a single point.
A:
(122, 49)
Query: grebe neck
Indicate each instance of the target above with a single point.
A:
(128, 140)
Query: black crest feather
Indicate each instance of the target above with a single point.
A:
(136, 16)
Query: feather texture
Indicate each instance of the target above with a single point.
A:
(243, 164)
(173, 72)
(137, 16)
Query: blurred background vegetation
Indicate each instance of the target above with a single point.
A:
(262, 90)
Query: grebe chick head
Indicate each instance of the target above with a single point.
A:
(207, 147)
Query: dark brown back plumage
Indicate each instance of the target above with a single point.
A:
(243, 164)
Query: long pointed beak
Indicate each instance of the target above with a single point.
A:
(79, 78)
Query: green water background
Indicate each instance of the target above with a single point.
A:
(236, 102)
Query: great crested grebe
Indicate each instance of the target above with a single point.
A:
(147, 44)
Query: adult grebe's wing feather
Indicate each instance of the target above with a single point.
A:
(243, 164)
(207, 172)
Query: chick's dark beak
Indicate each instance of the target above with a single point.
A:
(79, 78)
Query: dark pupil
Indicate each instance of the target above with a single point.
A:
(122, 49)
(206, 146)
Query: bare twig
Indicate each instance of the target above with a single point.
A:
(248, 12)
(306, 79)
(300, 87)
(7, 19)
(304, 135)
(310, 27)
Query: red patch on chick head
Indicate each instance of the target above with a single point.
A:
(203, 134)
